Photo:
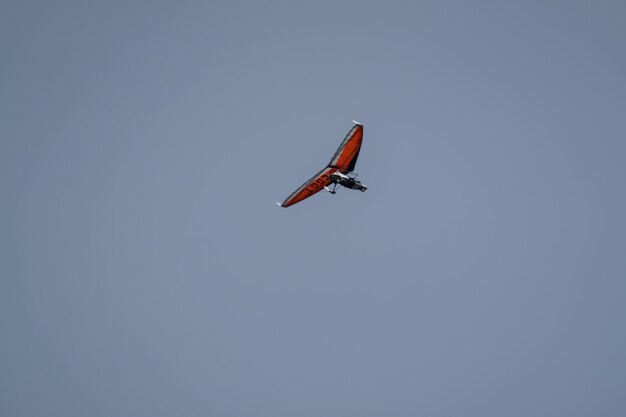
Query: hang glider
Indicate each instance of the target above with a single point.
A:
(337, 172)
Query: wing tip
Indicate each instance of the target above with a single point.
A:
(358, 123)
(279, 205)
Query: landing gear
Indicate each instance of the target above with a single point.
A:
(333, 190)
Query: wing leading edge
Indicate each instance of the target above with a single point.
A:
(344, 161)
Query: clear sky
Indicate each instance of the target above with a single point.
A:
(146, 271)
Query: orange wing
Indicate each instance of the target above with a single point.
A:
(310, 187)
(348, 152)
(344, 161)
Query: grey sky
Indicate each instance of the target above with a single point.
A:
(146, 270)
